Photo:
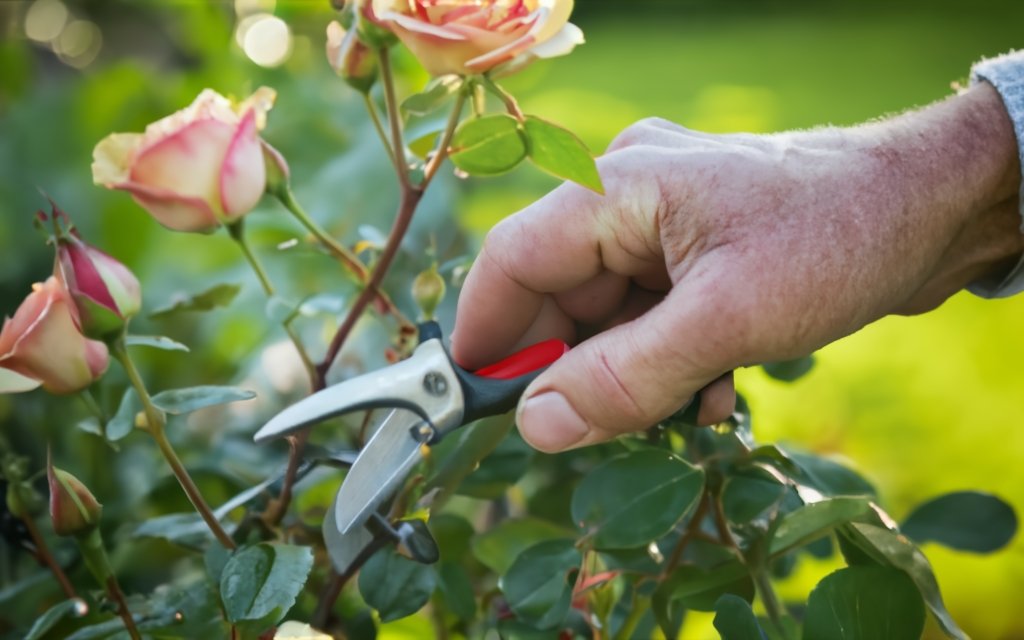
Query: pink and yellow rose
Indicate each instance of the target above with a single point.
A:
(474, 36)
(40, 345)
(196, 169)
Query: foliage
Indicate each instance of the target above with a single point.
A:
(614, 541)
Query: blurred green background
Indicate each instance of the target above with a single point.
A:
(920, 406)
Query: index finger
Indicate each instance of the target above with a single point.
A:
(555, 245)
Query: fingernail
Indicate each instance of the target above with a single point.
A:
(549, 423)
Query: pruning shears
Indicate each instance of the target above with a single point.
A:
(429, 396)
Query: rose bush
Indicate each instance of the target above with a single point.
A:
(467, 37)
(40, 345)
(193, 170)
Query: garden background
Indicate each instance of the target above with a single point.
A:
(920, 406)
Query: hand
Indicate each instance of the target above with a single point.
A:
(711, 252)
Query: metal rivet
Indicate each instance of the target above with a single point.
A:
(435, 383)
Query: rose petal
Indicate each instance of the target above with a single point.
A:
(560, 44)
(418, 26)
(112, 156)
(97, 358)
(27, 315)
(180, 213)
(187, 162)
(13, 382)
(243, 175)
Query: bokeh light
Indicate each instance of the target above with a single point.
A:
(45, 20)
(266, 40)
(79, 43)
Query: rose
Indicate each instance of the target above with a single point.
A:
(473, 36)
(40, 345)
(193, 170)
(104, 293)
(74, 510)
(350, 57)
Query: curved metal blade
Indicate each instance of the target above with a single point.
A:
(379, 470)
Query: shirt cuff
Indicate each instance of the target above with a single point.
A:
(1006, 74)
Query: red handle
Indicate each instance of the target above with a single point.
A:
(522, 362)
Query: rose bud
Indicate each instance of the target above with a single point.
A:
(468, 37)
(278, 173)
(40, 345)
(104, 293)
(196, 169)
(73, 509)
(351, 58)
(428, 290)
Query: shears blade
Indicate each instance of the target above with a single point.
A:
(343, 548)
(380, 469)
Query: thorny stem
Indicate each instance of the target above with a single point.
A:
(510, 102)
(155, 423)
(349, 260)
(44, 556)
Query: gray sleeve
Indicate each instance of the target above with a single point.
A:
(1006, 74)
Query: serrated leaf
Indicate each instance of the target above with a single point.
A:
(394, 585)
(864, 603)
(488, 146)
(73, 608)
(749, 493)
(260, 583)
(219, 295)
(963, 520)
(735, 620)
(123, 421)
(435, 94)
(888, 548)
(188, 399)
(559, 152)
(789, 370)
(828, 477)
(156, 342)
(812, 521)
(636, 497)
(538, 586)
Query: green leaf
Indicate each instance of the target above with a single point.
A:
(394, 585)
(435, 94)
(864, 603)
(488, 146)
(538, 585)
(74, 608)
(636, 497)
(501, 468)
(185, 529)
(559, 152)
(457, 590)
(188, 399)
(749, 493)
(831, 478)
(789, 370)
(452, 533)
(812, 521)
(498, 548)
(692, 587)
(157, 342)
(123, 421)
(735, 620)
(259, 583)
(964, 520)
(219, 295)
(888, 548)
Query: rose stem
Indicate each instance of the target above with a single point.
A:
(155, 423)
(44, 555)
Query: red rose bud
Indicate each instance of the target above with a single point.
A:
(350, 57)
(105, 294)
(73, 508)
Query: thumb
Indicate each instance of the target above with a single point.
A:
(624, 379)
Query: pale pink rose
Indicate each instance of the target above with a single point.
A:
(40, 345)
(193, 170)
(473, 36)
